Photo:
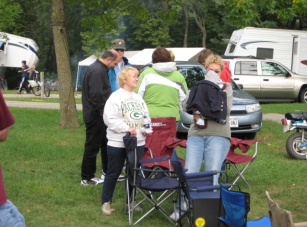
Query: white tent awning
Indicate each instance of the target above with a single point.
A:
(181, 54)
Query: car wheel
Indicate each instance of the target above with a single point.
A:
(303, 95)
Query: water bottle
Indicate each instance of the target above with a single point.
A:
(146, 123)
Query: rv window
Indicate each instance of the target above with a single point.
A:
(265, 53)
(246, 68)
(295, 48)
(2, 44)
(232, 48)
(272, 69)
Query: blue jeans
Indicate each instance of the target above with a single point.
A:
(10, 216)
(210, 149)
(116, 160)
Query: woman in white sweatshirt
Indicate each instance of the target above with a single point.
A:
(124, 112)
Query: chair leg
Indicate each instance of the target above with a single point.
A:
(240, 175)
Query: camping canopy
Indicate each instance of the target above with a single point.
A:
(82, 66)
(140, 58)
(181, 54)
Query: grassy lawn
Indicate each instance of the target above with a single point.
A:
(41, 166)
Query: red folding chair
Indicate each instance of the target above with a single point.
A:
(161, 143)
(233, 159)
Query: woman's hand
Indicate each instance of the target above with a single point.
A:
(132, 131)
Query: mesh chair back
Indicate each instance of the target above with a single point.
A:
(236, 205)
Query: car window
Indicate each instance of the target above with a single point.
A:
(246, 68)
(192, 74)
(272, 69)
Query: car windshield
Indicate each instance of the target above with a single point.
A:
(193, 74)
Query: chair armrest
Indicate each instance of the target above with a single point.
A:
(159, 159)
(201, 174)
(208, 188)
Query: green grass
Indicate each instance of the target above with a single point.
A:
(282, 108)
(41, 166)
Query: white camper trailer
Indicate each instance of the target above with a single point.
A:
(289, 47)
(14, 49)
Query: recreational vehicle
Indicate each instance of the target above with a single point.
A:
(288, 47)
(14, 49)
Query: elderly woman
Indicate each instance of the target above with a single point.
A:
(162, 87)
(118, 116)
(211, 144)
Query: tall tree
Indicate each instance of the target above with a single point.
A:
(68, 117)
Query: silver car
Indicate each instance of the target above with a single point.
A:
(268, 80)
(246, 113)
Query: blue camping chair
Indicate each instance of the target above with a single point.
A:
(236, 206)
(154, 190)
(202, 199)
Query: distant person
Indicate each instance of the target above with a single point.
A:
(119, 45)
(226, 73)
(32, 73)
(9, 214)
(24, 78)
(120, 121)
(96, 90)
(203, 56)
(172, 55)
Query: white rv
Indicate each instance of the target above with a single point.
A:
(289, 47)
(14, 49)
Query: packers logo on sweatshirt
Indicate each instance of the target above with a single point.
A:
(136, 115)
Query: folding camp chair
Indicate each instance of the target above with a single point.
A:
(165, 187)
(162, 142)
(236, 206)
(203, 202)
(233, 159)
(280, 217)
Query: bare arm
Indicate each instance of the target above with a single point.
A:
(4, 133)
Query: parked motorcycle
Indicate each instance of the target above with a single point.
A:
(296, 144)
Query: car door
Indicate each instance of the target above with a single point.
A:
(245, 72)
(276, 82)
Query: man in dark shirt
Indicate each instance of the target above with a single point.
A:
(24, 77)
(96, 90)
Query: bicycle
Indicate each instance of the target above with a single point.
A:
(35, 86)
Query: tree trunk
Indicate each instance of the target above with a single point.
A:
(201, 24)
(186, 30)
(68, 115)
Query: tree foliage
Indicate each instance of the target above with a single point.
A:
(10, 11)
(285, 13)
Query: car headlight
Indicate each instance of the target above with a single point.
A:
(252, 108)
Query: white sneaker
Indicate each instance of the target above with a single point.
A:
(175, 215)
(103, 175)
(133, 205)
(121, 178)
(106, 208)
(93, 181)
